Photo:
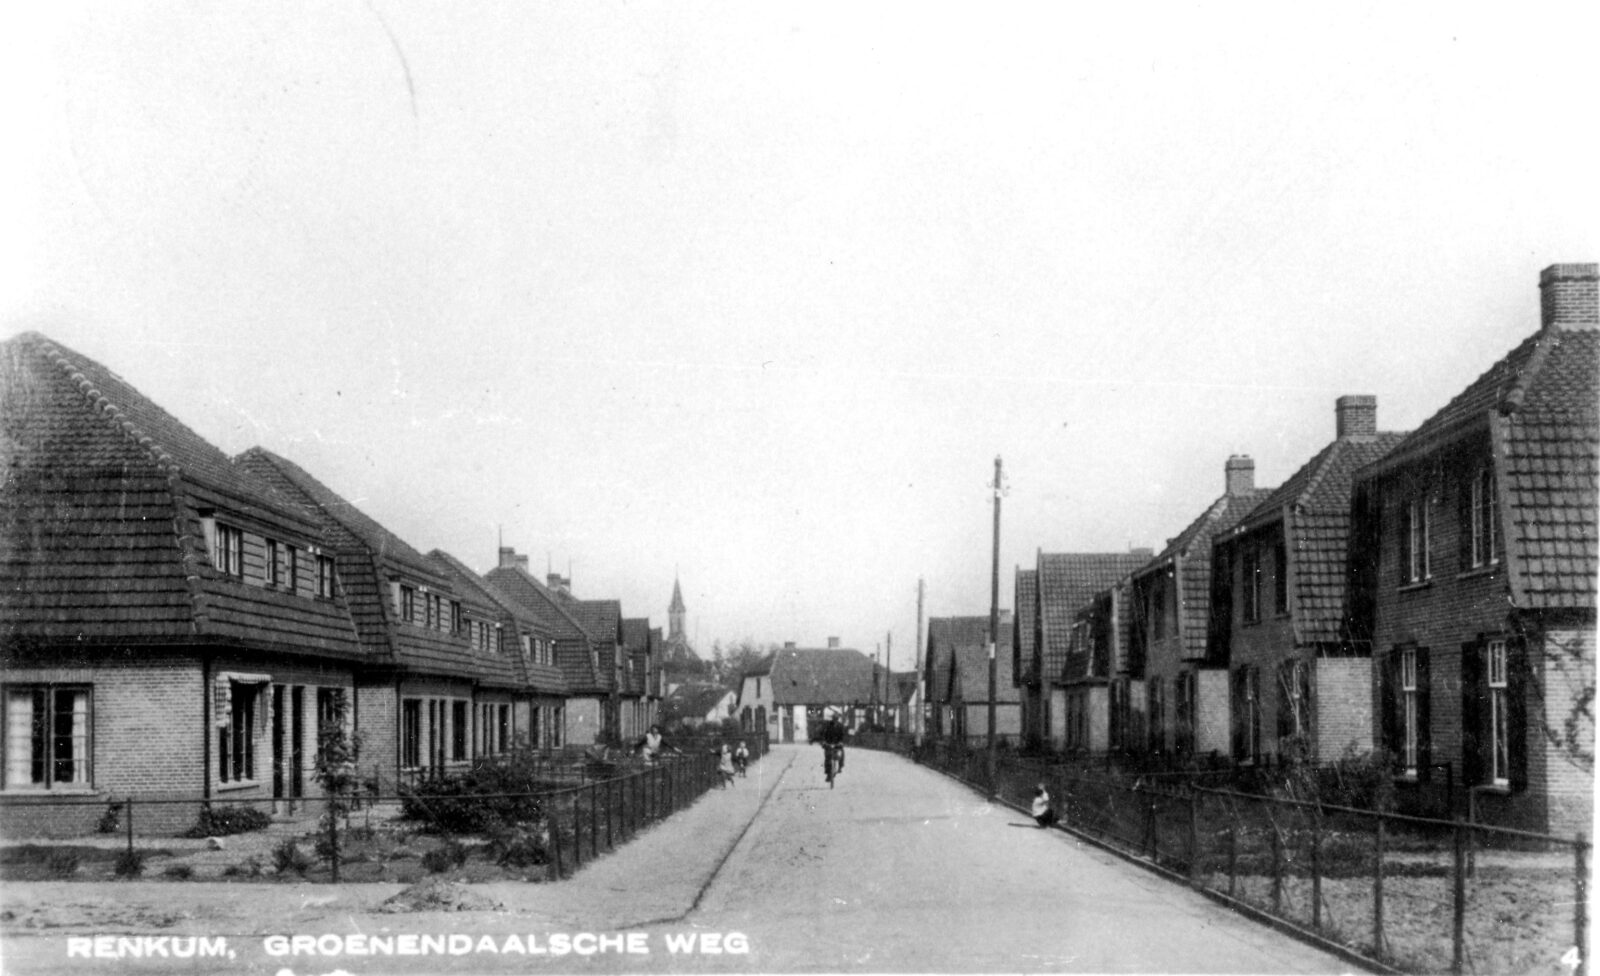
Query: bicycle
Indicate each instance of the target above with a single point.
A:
(832, 761)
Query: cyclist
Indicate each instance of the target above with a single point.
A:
(833, 740)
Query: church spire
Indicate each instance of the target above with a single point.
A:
(675, 612)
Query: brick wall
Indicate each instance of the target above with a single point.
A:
(1562, 727)
(1212, 731)
(379, 724)
(583, 721)
(1264, 645)
(1343, 698)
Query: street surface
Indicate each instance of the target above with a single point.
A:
(896, 869)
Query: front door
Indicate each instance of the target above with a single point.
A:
(277, 742)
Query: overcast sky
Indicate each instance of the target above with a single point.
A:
(755, 294)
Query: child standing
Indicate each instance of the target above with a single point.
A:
(725, 765)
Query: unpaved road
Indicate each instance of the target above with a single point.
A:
(896, 869)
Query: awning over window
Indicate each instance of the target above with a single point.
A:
(222, 693)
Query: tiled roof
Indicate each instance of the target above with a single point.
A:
(575, 650)
(958, 651)
(636, 644)
(1068, 581)
(101, 520)
(693, 701)
(512, 669)
(1191, 549)
(1318, 498)
(1026, 603)
(821, 676)
(367, 555)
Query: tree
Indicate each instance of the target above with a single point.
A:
(737, 658)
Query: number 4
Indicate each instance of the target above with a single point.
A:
(1572, 958)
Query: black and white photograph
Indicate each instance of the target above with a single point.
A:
(709, 487)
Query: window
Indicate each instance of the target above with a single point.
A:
(47, 743)
(330, 713)
(1499, 715)
(411, 732)
(1246, 694)
(1250, 590)
(408, 604)
(227, 550)
(1156, 706)
(1416, 564)
(325, 577)
(1294, 700)
(274, 564)
(455, 617)
(502, 728)
(1480, 521)
(458, 730)
(291, 568)
(1280, 577)
(236, 752)
(430, 608)
(1410, 713)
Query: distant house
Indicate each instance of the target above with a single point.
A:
(170, 626)
(794, 688)
(641, 696)
(1104, 703)
(698, 704)
(1473, 558)
(1024, 657)
(958, 661)
(1186, 693)
(1297, 689)
(1065, 583)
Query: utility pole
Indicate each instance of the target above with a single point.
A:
(918, 720)
(891, 692)
(994, 618)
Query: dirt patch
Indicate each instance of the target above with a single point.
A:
(435, 895)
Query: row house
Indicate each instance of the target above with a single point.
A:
(1472, 580)
(586, 650)
(1065, 583)
(957, 663)
(1186, 701)
(791, 691)
(1024, 660)
(171, 626)
(641, 690)
(1296, 688)
(1104, 705)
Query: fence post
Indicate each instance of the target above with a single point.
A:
(1458, 927)
(1277, 871)
(1194, 837)
(1377, 891)
(129, 806)
(1316, 871)
(1580, 920)
(611, 799)
(330, 807)
(594, 823)
(555, 846)
(1233, 854)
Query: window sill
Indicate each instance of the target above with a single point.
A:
(238, 785)
(1490, 570)
(47, 794)
(1496, 789)
(1418, 585)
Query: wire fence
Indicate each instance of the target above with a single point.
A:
(564, 815)
(1413, 893)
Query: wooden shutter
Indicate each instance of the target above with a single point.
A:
(1390, 713)
(1464, 525)
(1473, 733)
(1285, 697)
(1403, 571)
(1517, 712)
(1424, 716)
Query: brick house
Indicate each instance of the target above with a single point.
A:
(1105, 704)
(172, 627)
(1296, 688)
(588, 664)
(1024, 662)
(417, 691)
(515, 653)
(1473, 560)
(1187, 708)
(958, 678)
(788, 692)
(642, 691)
(1066, 583)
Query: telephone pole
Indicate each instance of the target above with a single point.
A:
(994, 618)
(920, 719)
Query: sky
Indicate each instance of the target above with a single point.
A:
(752, 296)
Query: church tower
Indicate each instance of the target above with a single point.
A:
(675, 634)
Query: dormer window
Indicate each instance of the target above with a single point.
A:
(455, 617)
(1479, 527)
(227, 550)
(408, 603)
(1416, 563)
(325, 577)
(274, 563)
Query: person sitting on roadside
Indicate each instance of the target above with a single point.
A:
(650, 746)
(1043, 815)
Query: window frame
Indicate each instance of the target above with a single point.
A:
(46, 736)
(227, 550)
(325, 577)
(1250, 583)
(1409, 692)
(1416, 541)
(1482, 520)
(411, 733)
(1497, 674)
(236, 745)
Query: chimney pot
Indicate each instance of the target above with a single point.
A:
(1239, 474)
(1355, 415)
(1569, 295)
(833, 642)
(788, 645)
(508, 557)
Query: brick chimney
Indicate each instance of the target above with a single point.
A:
(788, 645)
(1568, 296)
(510, 560)
(555, 581)
(1240, 474)
(833, 642)
(1355, 415)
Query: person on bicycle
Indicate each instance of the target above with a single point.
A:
(833, 740)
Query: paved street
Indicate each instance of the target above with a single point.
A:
(896, 869)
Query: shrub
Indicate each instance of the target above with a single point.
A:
(110, 820)
(1362, 780)
(474, 802)
(288, 856)
(62, 864)
(249, 868)
(129, 864)
(178, 872)
(225, 820)
(448, 855)
(521, 845)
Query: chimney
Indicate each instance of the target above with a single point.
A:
(1240, 474)
(1355, 416)
(1144, 551)
(509, 559)
(555, 581)
(1568, 296)
(788, 645)
(833, 642)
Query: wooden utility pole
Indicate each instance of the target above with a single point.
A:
(918, 720)
(994, 618)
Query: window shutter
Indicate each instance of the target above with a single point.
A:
(1424, 716)
(1403, 570)
(1517, 712)
(1305, 700)
(1237, 695)
(1285, 695)
(1473, 733)
(1464, 526)
(1389, 703)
